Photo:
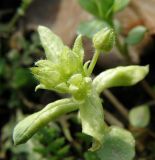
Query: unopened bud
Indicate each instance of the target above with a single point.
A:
(104, 39)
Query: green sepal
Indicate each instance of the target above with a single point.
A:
(120, 76)
(26, 128)
(92, 119)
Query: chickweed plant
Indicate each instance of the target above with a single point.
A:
(63, 71)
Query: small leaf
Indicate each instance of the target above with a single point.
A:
(91, 27)
(52, 44)
(105, 9)
(136, 35)
(118, 144)
(140, 116)
(120, 5)
(26, 128)
(78, 48)
(92, 118)
(89, 6)
(120, 76)
(99, 8)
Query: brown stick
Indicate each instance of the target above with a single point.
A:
(117, 104)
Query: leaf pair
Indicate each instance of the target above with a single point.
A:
(103, 9)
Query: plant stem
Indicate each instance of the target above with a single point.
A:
(19, 13)
(93, 62)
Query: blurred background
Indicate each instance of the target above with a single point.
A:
(20, 47)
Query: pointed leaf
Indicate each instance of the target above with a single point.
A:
(89, 28)
(120, 76)
(78, 48)
(99, 8)
(105, 8)
(26, 128)
(52, 44)
(140, 116)
(89, 6)
(120, 5)
(92, 118)
(118, 144)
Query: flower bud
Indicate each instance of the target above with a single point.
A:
(104, 39)
(79, 86)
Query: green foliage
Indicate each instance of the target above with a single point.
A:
(21, 77)
(104, 12)
(89, 28)
(139, 116)
(90, 156)
(120, 76)
(51, 145)
(95, 127)
(13, 68)
(30, 125)
(84, 94)
(136, 35)
(120, 5)
(100, 8)
(118, 144)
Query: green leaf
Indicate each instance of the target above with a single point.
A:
(105, 8)
(140, 116)
(136, 35)
(120, 5)
(120, 76)
(118, 144)
(26, 128)
(99, 8)
(89, 6)
(91, 27)
(78, 48)
(92, 118)
(52, 44)
(90, 156)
